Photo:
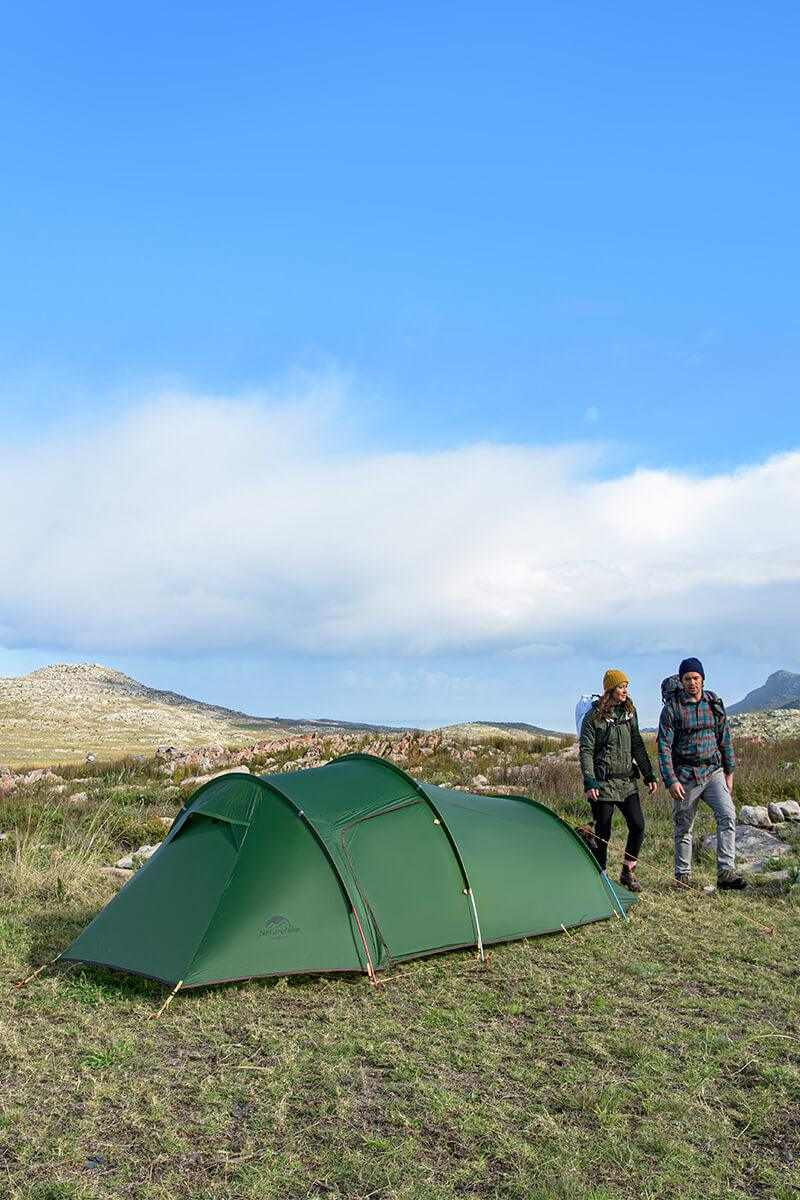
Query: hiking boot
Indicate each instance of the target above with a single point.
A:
(731, 880)
(684, 882)
(629, 880)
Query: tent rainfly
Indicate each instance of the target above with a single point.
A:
(347, 867)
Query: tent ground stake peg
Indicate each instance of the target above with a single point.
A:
(21, 982)
(168, 1000)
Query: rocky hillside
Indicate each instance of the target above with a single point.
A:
(773, 726)
(781, 690)
(488, 729)
(62, 712)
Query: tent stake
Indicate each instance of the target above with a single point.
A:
(168, 1000)
(370, 968)
(21, 982)
(481, 955)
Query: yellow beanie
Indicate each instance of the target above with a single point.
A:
(614, 679)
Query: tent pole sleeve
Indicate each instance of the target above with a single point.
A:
(270, 787)
(439, 820)
(614, 897)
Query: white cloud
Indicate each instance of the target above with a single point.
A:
(203, 524)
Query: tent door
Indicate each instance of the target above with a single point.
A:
(410, 878)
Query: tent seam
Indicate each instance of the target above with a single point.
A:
(269, 786)
(432, 806)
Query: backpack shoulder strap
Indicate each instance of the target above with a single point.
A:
(718, 709)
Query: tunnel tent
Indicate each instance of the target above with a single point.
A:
(347, 867)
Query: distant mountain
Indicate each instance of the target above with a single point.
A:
(61, 712)
(491, 728)
(781, 690)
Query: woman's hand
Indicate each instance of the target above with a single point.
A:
(652, 787)
(592, 794)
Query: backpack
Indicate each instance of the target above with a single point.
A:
(670, 686)
(581, 708)
(585, 705)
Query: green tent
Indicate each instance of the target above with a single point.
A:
(346, 867)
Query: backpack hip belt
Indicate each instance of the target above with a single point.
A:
(681, 761)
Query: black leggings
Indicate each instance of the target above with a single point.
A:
(631, 810)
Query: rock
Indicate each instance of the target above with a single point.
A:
(790, 810)
(139, 856)
(78, 797)
(480, 781)
(119, 873)
(40, 775)
(572, 751)
(754, 847)
(776, 813)
(519, 773)
(756, 815)
(91, 758)
(165, 821)
(7, 784)
(767, 877)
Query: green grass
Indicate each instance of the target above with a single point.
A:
(658, 1058)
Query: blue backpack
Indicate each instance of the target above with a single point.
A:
(581, 709)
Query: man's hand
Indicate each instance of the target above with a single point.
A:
(592, 794)
(677, 790)
(652, 787)
(729, 783)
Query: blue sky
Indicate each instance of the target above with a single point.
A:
(542, 229)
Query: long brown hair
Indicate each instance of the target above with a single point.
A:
(606, 705)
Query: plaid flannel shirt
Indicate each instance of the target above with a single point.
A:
(692, 740)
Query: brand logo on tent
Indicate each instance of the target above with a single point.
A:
(278, 926)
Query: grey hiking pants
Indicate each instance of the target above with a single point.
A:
(718, 798)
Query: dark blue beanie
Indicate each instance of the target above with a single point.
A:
(691, 664)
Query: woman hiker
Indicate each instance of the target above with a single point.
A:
(612, 756)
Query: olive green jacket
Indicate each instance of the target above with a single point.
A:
(612, 748)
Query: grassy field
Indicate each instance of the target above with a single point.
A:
(655, 1058)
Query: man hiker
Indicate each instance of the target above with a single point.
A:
(695, 757)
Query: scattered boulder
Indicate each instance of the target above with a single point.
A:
(39, 775)
(773, 877)
(754, 847)
(480, 781)
(788, 810)
(756, 815)
(78, 797)
(121, 874)
(139, 856)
